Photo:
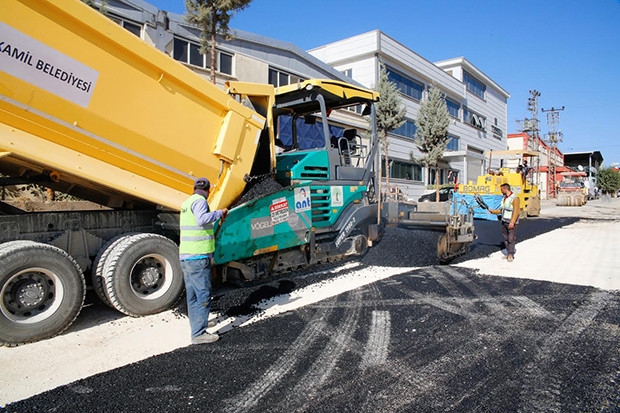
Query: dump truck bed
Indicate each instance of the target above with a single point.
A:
(110, 118)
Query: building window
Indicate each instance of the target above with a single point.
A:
(189, 52)
(280, 78)
(453, 108)
(474, 119)
(453, 143)
(406, 85)
(195, 58)
(130, 26)
(180, 50)
(402, 170)
(359, 109)
(225, 64)
(431, 176)
(473, 85)
(407, 129)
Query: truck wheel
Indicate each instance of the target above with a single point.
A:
(98, 263)
(42, 291)
(142, 275)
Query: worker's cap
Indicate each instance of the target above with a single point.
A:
(202, 183)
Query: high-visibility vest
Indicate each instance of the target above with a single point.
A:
(507, 208)
(195, 239)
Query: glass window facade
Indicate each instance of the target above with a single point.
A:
(281, 78)
(432, 176)
(402, 170)
(453, 143)
(473, 85)
(189, 52)
(406, 85)
(474, 119)
(226, 63)
(195, 58)
(131, 27)
(180, 50)
(407, 129)
(453, 108)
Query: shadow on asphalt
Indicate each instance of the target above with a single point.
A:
(398, 248)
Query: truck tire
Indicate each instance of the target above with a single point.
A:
(142, 275)
(12, 244)
(98, 264)
(42, 292)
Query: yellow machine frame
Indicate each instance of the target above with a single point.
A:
(523, 184)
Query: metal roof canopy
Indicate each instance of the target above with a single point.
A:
(335, 93)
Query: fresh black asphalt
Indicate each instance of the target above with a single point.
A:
(434, 339)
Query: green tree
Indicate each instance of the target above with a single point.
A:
(431, 136)
(608, 180)
(212, 18)
(390, 115)
(102, 5)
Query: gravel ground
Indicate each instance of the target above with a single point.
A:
(393, 331)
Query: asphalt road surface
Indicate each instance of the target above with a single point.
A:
(429, 339)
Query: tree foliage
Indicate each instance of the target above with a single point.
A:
(390, 114)
(431, 136)
(608, 180)
(101, 8)
(212, 18)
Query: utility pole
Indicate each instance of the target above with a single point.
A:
(532, 106)
(553, 138)
(530, 126)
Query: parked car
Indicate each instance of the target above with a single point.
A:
(444, 195)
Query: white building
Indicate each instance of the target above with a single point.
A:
(246, 56)
(477, 105)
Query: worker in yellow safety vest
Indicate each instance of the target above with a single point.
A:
(195, 252)
(509, 210)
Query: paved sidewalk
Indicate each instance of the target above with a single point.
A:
(584, 253)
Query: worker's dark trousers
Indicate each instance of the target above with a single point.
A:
(510, 237)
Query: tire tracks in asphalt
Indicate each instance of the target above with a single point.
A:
(378, 343)
(299, 397)
(256, 391)
(523, 303)
(500, 328)
(541, 389)
(306, 390)
(411, 385)
(303, 393)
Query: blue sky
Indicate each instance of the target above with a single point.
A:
(568, 50)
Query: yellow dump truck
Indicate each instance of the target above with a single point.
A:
(90, 110)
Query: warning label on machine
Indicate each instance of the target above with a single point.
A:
(279, 211)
